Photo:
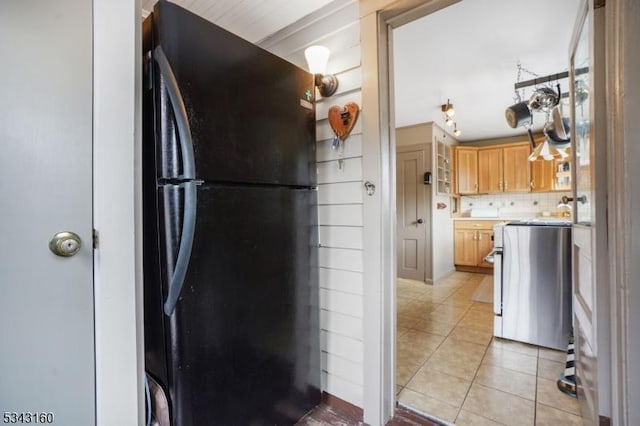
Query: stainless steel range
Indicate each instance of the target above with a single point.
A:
(532, 282)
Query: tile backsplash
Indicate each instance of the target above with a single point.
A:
(524, 205)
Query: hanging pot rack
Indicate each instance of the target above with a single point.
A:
(544, 150)
(548, 78)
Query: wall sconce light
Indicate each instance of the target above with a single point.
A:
(317, 58)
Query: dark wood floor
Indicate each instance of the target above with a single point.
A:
(326, 414)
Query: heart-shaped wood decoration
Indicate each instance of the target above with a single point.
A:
(342, 119)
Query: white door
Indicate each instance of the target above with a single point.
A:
(590, 304)
(411, 215)
(46, 301)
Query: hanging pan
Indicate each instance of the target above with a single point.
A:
(557, 131)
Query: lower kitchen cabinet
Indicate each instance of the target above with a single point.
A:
(485, 245)
(472, 242)
(465, 247)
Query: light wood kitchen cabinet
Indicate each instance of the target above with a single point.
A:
(485, 245)
(490, 170)
(466, 170)
(543, 174)
(504, 169)
(465, 247)
(550, 175)
(516, 168)
(472, 242)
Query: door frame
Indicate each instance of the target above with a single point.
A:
(117, 146)
(622, 22)
(377, 19)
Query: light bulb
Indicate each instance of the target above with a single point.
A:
(448, 122)
(456, 132)
(317, 58)
(450, 111)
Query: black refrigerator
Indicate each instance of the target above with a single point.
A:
(231, 316)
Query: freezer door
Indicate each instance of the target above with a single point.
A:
(248, 111)
(244, 337)
(536, 285)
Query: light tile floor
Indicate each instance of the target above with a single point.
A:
(449, 364)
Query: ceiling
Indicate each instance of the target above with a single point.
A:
(252, 20)
(469, 52)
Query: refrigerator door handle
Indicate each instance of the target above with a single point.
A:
(180, 113)
(186, 243)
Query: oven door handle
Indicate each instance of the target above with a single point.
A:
(490, 257)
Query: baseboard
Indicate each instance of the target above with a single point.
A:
(407, 415)
(476, 269)
(343, 407)
(443, 276)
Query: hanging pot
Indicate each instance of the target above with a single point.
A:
(557, 131)
(518, 115)
(543, 99)
(560, 125)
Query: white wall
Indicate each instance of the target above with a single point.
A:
(442, 221)
(340, 195)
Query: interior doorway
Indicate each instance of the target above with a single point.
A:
(448, 365)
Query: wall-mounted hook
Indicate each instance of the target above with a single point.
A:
(370, 188)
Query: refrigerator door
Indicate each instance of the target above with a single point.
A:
(244, 336)
(536, 289)
(248, 110)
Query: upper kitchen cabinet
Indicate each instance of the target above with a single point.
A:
(542, 175)
(552, 175)
(490, 170)
(466, 172)
(516, 168)
(493, 169)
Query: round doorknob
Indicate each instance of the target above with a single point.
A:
(420, 221)
(65, 244)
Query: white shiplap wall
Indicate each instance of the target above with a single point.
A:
(340, 195)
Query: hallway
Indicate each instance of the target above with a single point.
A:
(449, 364)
